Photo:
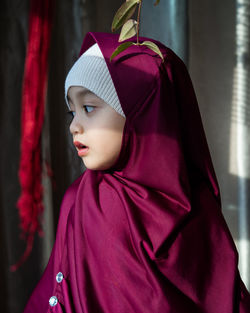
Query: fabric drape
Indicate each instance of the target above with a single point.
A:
(146, 228)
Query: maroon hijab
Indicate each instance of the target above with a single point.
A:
(148, 234)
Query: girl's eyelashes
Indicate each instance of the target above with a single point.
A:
(71, 113)
(88, 108)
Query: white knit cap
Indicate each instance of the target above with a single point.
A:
(90, 71)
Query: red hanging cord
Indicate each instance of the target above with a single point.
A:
(30, 203)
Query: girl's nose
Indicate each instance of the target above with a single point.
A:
(76, 125)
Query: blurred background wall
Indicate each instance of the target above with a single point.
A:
(212, 38)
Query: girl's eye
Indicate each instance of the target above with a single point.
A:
(88, 108)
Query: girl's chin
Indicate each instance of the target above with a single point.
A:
(96, 166)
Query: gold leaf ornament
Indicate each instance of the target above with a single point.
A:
(124, 13)
(153, 47)
(121, 48)
(129, 29)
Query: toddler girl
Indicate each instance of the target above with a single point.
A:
(141, 230)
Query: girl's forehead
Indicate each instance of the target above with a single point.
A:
(80, 92)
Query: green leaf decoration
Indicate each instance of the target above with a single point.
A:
(156, 2)
(128, 30)
(121, 48)
(153, 47)
(124, 13)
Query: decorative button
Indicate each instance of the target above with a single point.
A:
(53, 301)
(59, 277)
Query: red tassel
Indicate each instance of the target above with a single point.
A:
(30, 203)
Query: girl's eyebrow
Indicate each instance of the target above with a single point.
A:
(82, 93)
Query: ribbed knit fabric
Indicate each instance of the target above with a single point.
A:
(90, 71)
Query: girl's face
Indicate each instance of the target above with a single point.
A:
(97, 126)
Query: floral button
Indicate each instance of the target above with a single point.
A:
(59, 277)
(53, 301)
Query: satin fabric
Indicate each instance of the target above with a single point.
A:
(148, 234)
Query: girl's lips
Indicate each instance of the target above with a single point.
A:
(83, 151)
(78, 144)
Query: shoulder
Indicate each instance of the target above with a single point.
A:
(68, 199)
(71, 191)
(67, 204)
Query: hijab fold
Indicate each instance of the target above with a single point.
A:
(148, 234)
